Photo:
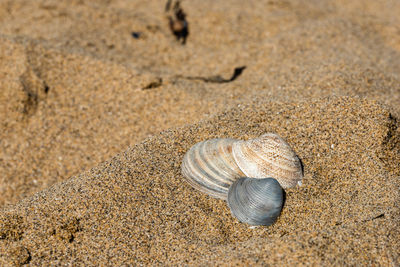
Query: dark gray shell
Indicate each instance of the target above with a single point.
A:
(256, 201)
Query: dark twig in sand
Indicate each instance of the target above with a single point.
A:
(217, 78)
(376, 217)
(379, 216)
(177, 21)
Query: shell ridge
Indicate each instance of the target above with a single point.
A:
(210, 167)
(207, 169)
(196, 183)
(192, 171)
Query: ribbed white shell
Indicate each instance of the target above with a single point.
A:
(209, 167)
(268, 156)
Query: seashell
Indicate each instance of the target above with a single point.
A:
(209, 166)
(256, 201)
(212, 166)
(268, 156)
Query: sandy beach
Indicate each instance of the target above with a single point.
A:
(100, 102)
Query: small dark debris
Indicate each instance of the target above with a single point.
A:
(237, 72)
(177, 21)
(28, 258)
(136, 35)
(283, 234)
(46, 88)
(376, 217)
(379, 216)
(218, 79)
(154, 84)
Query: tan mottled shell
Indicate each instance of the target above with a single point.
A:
(209, 167)
(268, 156)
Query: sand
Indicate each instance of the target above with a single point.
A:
(95, 123)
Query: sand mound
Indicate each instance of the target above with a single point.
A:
(137, 208)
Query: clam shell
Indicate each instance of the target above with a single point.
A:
(209, 166)
(256, 201)
(268, 156)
